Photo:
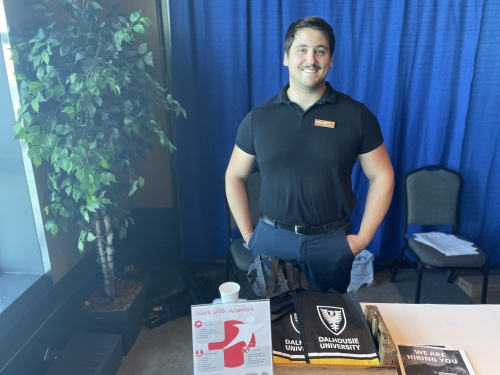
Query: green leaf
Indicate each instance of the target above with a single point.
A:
(80, 56)
(81, 245)
(143, 48)
(91, 84)
(97, 100)
(36, 61)
(115, 134)
(86, 216)
(104, 163)
(133, 189)
(37, 160)
(77, 161)
(139, 28)
(75, 87)
(51, 226)
(33, 86)
(134, 16)
(148, 58)
(114, 87)
(72, 78)
(128, 106)
(45, 57)
(63, 129)
(35, 105)
(95, 5)
(70, 111)
(127, 121)
(145, 21)
(139, 64)
(59, 90)
(40, 35)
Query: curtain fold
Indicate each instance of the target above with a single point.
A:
(427, 69)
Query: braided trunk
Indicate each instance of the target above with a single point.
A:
(105, 252)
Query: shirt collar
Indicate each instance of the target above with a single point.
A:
(329, 95)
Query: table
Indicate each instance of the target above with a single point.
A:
(473, 328)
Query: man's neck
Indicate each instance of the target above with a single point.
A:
(304, 97)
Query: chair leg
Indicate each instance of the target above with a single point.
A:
(452, 275)
(485, 284)
(419, 282)
(398, 264)
(228, 264)
(231, 272)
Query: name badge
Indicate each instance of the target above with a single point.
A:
(324, 123)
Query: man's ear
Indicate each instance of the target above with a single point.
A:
(285, 59)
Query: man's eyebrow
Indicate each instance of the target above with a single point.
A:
(307, 45)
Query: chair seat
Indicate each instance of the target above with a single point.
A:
(242, 256)
(434, 258)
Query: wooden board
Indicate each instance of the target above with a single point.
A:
(472, 285)
(386, 348)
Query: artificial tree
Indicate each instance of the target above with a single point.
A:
(88, 109)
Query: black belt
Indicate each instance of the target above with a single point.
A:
(297, 229)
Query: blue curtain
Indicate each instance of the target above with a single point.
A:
(429, 70)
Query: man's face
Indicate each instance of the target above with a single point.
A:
(308, 60)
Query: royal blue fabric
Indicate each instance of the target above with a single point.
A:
(427, 69)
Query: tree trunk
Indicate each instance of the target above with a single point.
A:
(105, 252)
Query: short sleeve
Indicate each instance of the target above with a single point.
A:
(371, 132)
(244, 137)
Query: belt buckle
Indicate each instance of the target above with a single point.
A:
(297, 230)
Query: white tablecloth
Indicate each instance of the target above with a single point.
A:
(473, 328)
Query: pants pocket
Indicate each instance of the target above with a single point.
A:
(253, 240)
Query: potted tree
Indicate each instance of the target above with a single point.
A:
(88, 108)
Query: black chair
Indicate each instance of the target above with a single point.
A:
(431, 202)
(239, 258)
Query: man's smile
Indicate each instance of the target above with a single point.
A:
(310, 69)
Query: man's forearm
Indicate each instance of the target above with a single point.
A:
(378, 201)
(237, 199)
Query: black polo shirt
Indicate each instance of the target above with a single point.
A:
(306, 158)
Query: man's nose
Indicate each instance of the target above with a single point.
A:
(311, 56)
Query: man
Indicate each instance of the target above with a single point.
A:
(306, 141)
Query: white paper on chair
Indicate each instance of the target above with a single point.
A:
(448, 244)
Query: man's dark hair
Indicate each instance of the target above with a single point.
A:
(311, 22)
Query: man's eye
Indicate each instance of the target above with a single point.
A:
(302, 51)
(320, 52)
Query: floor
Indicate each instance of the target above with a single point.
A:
(166, 349)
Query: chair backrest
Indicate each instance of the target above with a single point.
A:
(431, 196)
(253, 191)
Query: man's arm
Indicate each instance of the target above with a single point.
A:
(240, 166)
(378, 169)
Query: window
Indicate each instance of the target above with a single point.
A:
(23, 249)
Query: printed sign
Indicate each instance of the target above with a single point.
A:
(432, 360)
(232, 338)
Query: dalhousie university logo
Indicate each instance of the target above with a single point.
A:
(333, 318)
(294, 321)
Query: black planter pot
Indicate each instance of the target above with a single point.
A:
(126, 323)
